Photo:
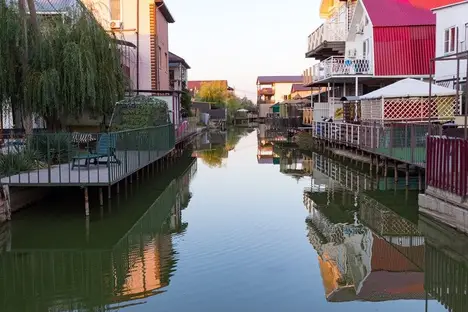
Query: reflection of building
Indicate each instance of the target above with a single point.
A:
(125, 257)
(356, 264)
(265, 154)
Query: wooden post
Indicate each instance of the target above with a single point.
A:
(118, 187)
(86, 198)
(396, 172)
(109, 192)
(101, 199)
(385, 167)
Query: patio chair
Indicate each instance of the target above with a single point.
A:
(105, 147)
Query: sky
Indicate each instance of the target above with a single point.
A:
(238, 41)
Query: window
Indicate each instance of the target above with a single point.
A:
(465, 48)
(450, 38)
(115, 10)
(365, 48)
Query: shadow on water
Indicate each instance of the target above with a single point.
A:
(55, 260)
(372, 245)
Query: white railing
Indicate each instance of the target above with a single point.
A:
(328, 31)
(340, 66)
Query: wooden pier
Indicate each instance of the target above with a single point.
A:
(62, 162)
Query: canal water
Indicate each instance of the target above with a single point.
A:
(236, 225)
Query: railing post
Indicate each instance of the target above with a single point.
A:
(390, 147)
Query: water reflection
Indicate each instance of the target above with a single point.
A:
(213, 146)
(125, 257)
(366, 250)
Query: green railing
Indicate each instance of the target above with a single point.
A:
(83, 158)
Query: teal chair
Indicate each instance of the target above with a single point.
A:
(105, 147)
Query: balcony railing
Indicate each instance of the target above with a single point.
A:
(340, 66)
(328, 31)
(266, 91)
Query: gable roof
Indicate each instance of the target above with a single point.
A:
(408, 88)
(174, 58)
(278, 79)
(299, 87)
(393, 13)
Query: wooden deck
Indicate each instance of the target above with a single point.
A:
(99, 174)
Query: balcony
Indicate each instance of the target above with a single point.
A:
(266, 91)
(327, 40)
(340, 66)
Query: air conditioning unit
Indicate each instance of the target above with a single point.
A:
(352, 53)
(360, 28)
(115, 24)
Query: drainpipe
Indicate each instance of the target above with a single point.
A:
(138, 47)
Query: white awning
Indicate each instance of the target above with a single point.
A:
(408, 88)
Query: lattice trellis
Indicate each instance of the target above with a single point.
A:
(414, 108)
(384, 221)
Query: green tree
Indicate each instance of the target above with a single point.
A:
(59, 68)
(214, 92)
(186, 101)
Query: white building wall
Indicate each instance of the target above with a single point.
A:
(457, 16)
(355, 40)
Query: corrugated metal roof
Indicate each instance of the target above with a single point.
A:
(432, 4)
(54, 5)
(279, 79)
(386, 13)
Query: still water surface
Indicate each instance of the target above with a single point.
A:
(241, 228)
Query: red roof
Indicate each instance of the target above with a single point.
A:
(196, 84)
(432, 4)
(297, 87)
(279, 79)
(388, 13)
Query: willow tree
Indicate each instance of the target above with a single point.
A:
(73, 65)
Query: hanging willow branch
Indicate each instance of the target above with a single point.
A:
(73, 66)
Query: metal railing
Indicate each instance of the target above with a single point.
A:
(340, 66)
(186, 128)
(83, 159)
(405, 142)
(447, 164)
(328, 31)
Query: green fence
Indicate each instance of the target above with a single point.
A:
(83, 158)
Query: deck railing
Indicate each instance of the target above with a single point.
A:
(405, 142)
(447, 164)
(327, 32)
(339, 66)
(83, 159)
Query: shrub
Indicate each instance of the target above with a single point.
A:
(19, 159)
(55, 147)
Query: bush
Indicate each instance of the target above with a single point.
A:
(19, 159)
(55, 147)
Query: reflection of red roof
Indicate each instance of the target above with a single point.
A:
(380, 286)
(385, 257)
(387, 13)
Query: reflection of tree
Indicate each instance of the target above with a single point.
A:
(234, 135)
(214, 158)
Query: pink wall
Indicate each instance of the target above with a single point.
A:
(129, 10)
(163, 42)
